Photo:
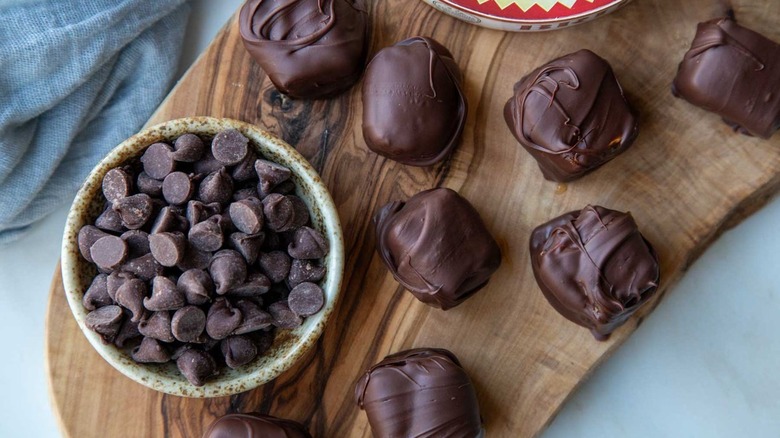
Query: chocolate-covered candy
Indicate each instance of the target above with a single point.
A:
(594, 267)
(437, 246)
(168, 248)
(137, 243)
(144, 267)
(247, 244)
(419, 393)
(157, 326)
(97, 293)
(238, 351)
(150, 351)
(306, 299)
(178, 188)
(254, 426)
(247, 215)
(414, 109)
(227, 269)
(283, 316)
(304, 270)
(734, 72)
(216, 187)
(279, 212)
(207, 235)
(134, 210)
(109, 220)
(197, 286)
(147, 184)
(117, 184)
(88, 235)
(197, 366)
(109, 252)
(254, 318)
(310, 49)
(571, 115)
(168, 220)
(158, 160)
(308, 243)
(105, 321)
(275, 265)
(222, 319)
(229, 147)
(165, 295)
(188, 323)
(130, 295)
(270, 175)
(188, 148)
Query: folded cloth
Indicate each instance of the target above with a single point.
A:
(76, 78)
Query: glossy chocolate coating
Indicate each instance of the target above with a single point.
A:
(735, 73)
(594, 267)
(255, 426)
(414, 109)
(310, 49)
(571, 115)
(437, 246)
(419, 393)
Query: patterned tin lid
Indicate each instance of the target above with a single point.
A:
(526, 15)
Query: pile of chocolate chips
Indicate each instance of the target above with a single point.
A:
(201, 252)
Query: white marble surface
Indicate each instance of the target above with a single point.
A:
(706, 363)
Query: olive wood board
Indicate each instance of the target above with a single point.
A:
(686, 179)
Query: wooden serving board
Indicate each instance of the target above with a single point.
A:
(686, 179)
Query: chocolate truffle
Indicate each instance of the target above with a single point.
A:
(571, 115)
(594, 267)
(735, 73)
(255, 426)
(310, 49)
(437, 247)
(422, 392)
(414, 109)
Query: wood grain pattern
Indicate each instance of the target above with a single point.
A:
(686, 179)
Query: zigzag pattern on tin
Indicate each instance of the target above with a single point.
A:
(528, 4)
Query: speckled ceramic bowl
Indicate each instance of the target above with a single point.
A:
(289, 345)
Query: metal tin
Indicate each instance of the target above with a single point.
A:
(526, 15)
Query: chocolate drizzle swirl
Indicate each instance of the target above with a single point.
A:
(310, 49)
(571, 115)
(255, 426)
(419, 393)
(735, 73)
(594, 267)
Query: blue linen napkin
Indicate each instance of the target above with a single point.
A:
(76, 78)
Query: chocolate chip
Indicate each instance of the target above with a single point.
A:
(134, 210)
(207, 235)
(168, 220)
(254, 318)
(117, 184)
(285, 187)
(157, 326)
(88, 235)
(188, 148)
(127, 333)
(306, 299)
(247, 244)
(303, 271)
(216, 187)
(270, 175)
(198, 212)
(158, 160)
(196, 285)
(228, 269)
(137, 243)
(264, 340)
(300, 211)
(245, 170)
(256, 284)
(146, 184)
(207, 164)
(97, 293)
(197, 366)
(238, 351)
(188, 324)
(284, 318)
(106, 321)
(194, 259)
(168, 248)
(115, 280)
(150, 351)
(145, 267)
(165, 295)
(308, 243)
(279, 212)
(222, 319)
(178, 188)
(130, 295)
(110, 220)
(247, 215)
(273, 241)
(244, 193)
(275, 265)
(229, 147)
(109, 252)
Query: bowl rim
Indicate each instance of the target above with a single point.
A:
(308, 333)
